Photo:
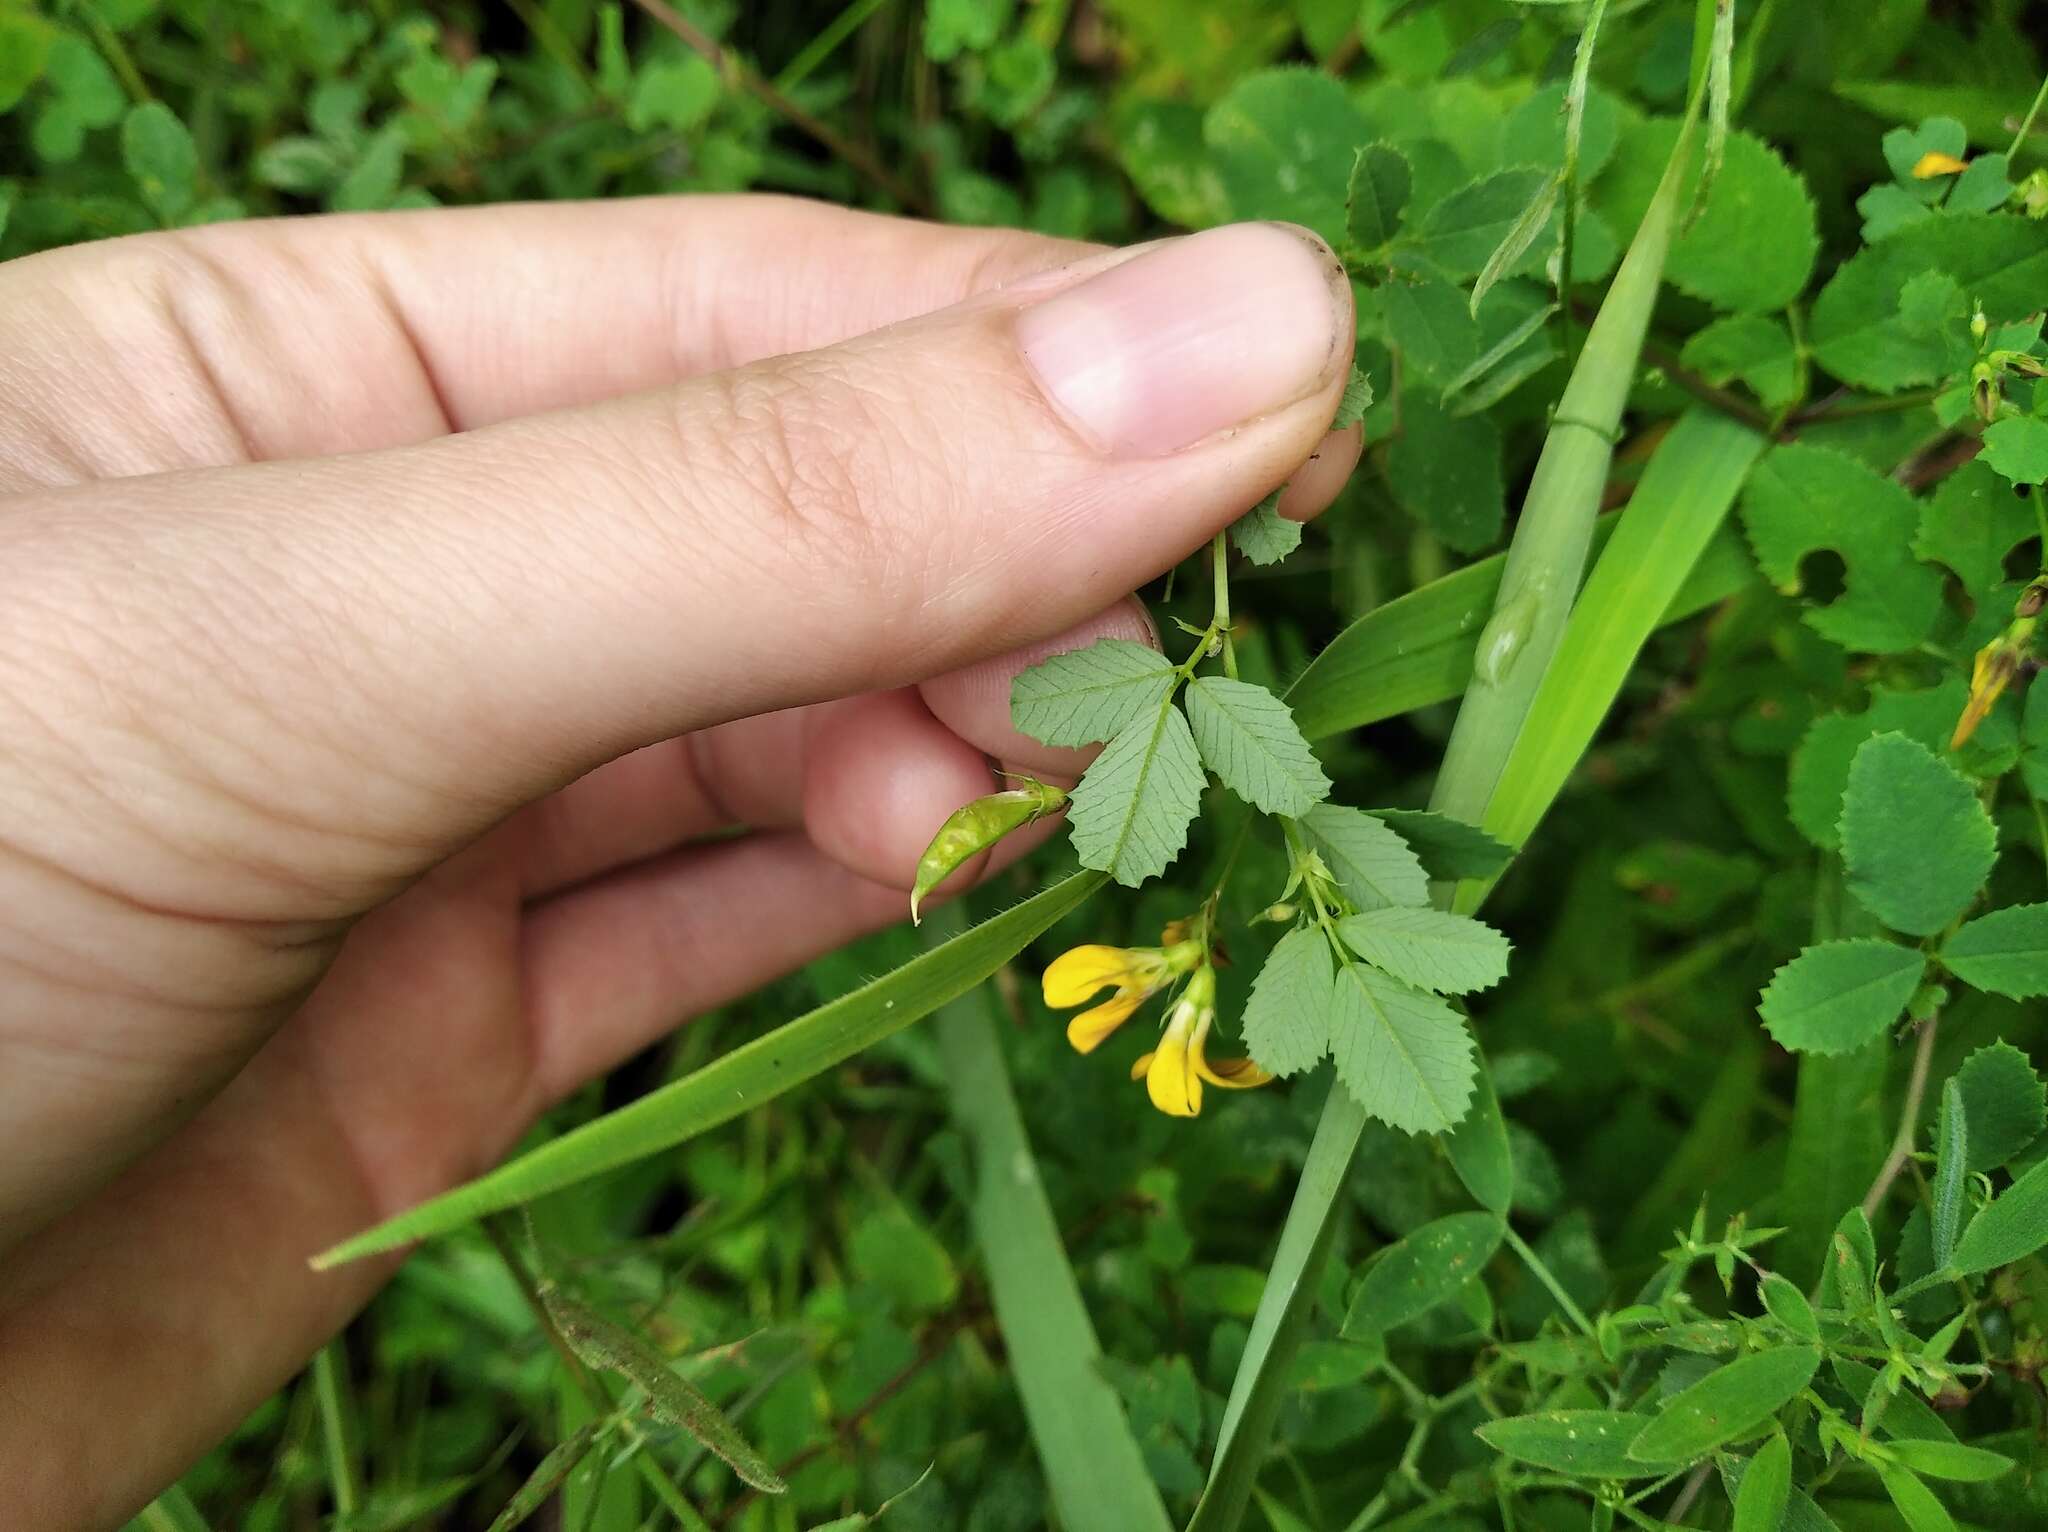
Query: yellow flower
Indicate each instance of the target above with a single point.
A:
(1174, 1071)
(1934, 163)
(1138, 973)
(1997, 663)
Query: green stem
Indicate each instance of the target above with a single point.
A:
(1544, 1275)
(2019, 139)
(1219, 620)
(328, 1388)
(822, 47)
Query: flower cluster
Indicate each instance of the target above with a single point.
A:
(1175, 1071)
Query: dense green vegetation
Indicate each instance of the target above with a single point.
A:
(1703, 1183)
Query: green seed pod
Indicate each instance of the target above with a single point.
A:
(974, 827)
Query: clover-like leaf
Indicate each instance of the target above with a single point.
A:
(1131, 810)
(1090, 694)
(1287, 1019)
(2005, 1101)
(1371, 863)
(2004, 952)
(1250, 740)
(1431, 949)
(1839, 995)
(1405, 1056)
(1918, 843)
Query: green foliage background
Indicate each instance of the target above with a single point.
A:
(1772, 918)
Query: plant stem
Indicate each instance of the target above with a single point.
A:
(821, 47)
(1909, 1118)
(2019, 139)
(862, 160)
(1219, 619)
(334, 1429)
(1544, 1275)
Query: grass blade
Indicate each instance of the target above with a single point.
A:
(1419, 649)
(1096, 1474)
(738, 1081)
(1684, 497)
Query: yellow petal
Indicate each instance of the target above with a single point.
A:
(1074, 976)
(1934, 163)
(1234, 1074)
(1143, 1066)
(1171, 1080)
(1995, 667)
(1087, 1030)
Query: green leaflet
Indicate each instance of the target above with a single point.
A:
(1371, 862)
(1955, 1461)
(1462, 232)
(1447, 847)
(1284, 141)
(1725, 1405)
(2013, 1226)
(1917, 842)
(2005, 1101)
(1784, 1302)
(735, 1082)
(1479, 1149)
(1766, 1487)
(1249, 739)
(1421, 1270)
(1131, 811)
(1450, 954)
(1404, 1054)
(1091, 694)
(1952, 1157)
(1589, 1442)
(1379, 185)
(1287, 1018)
(1837, 996)
(2004, 952)
(2017, 448)
(671, 1398)
(1263, 535)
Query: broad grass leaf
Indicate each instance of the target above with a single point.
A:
(1918, 843)
(1092, 694)
(738, 1081)
(1287, 1018)
(1372, 863)
(1431, 949)
(547, 1476)
(1836, 996)
(2010, 1228)
(1591, 1444)
(1727, 1404)
(1404, 1055)
(1421, 1270)
(1131, 810)
(2005, 1101)
(1248, 738)
(1803, 499)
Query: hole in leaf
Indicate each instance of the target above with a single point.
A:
(1822, 576)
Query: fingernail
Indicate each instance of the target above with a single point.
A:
(1194, 337)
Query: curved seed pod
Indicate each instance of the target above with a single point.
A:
(974, 827)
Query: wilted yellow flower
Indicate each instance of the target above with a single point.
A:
(1174, 1071)
(1934, 163)
(1997, 663)
(1138, 973)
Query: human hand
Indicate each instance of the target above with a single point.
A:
(387, 607)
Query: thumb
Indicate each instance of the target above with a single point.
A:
(370, 659)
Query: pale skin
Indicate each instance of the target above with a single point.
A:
(391, 606)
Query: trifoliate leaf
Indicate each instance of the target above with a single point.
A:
(1287, 1019)
(1462, 232)
(1090, 694)
(1729, 1402)
(2004, 952)
(1802, 499)
(1887, 209)
(1820, 766)
(1380, 182)
(1285, 141)
(1917, 842)
(1983, 188)
(1445, 470)
(1249, 739)
(1372, 864)
(1131, 811)
(2000, 260)
(1905, 148)
(1404, 1055)
(1262, 534)
(2011, 1228)
(1450, 954)
(1837, 996)
(1971, 523)
(1719, 257)
(1420, 1270)
(2017, 447)
(1750, 347)
(1449, 848)
(2005, 1102)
